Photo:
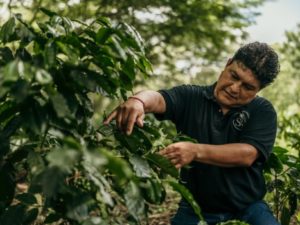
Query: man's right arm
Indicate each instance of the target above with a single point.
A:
(133, 110)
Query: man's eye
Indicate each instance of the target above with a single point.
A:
(234, 76)
(249, 88)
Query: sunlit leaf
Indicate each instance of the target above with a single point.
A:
(140, 166)
(7, 30)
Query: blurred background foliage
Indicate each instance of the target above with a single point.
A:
(186, 42)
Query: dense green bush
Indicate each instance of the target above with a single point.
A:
(74, 171)
(283, 171)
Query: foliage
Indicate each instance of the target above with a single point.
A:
(193, 31)
(75, 172)
(283, 172)
(284, 93)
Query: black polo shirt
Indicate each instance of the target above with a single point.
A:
(196, 114)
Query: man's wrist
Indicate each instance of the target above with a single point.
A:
(140, 100)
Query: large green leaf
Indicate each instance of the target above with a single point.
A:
(7, 30)
(13, 215)
(153, 190)
(163, 163)
(117, 166)
(64, 159)
(60, 105)
(274, 163)
(186, 195)
(134, 201)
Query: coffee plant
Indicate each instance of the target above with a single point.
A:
(283, 172)
(56, 166)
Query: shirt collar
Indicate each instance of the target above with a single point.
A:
(209, 91)
(209, 94)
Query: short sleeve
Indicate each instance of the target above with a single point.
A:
(176, 100)
(261, 129)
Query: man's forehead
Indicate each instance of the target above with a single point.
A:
(241, 65)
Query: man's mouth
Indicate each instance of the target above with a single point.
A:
(230, 95)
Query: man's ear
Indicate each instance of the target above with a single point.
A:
(229, 61)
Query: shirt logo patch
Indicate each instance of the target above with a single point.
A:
(240, 120)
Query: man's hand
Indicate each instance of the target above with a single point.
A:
(180, 153)
(127, 114)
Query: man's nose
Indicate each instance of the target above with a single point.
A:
(235, 87)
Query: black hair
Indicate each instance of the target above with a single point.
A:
(261, 59)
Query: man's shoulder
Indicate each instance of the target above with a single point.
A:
(192, 89)
(262, 104)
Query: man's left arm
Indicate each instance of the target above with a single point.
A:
(226, 155)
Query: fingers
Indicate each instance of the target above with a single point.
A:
(110, 117)
(177, 154)
(132, 118)
(140, 120)
(126, 116)
(171, 154)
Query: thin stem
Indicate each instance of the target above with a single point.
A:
(44, 136)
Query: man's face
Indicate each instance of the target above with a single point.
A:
(236, 86)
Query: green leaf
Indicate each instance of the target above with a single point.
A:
(70, 52)
(140, 166)
(48, 12)
(7, 30)
(285, 216)
(129, 68)
(104, 21)
(131, 31)
(153, 190)
(23, 54)
(7, 187)
(134, 201)
(13, 215)
(26, 198)
(30, 216)
(64, 159)
(11, 70)
(103, 34)
(60, 105)
(121, 53)
(293, 203)
(6, 55)
(181, 137)
(77, 209)
(50, 54)
(186, 195)
(163, 163)
(274, 163)
(117, 166)
(150, 129)
(52, 217)
(35, 162)
(20, 90)
(52, 180)
(7, 110)
(43, 77)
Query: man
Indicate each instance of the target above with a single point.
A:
(235, 129)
